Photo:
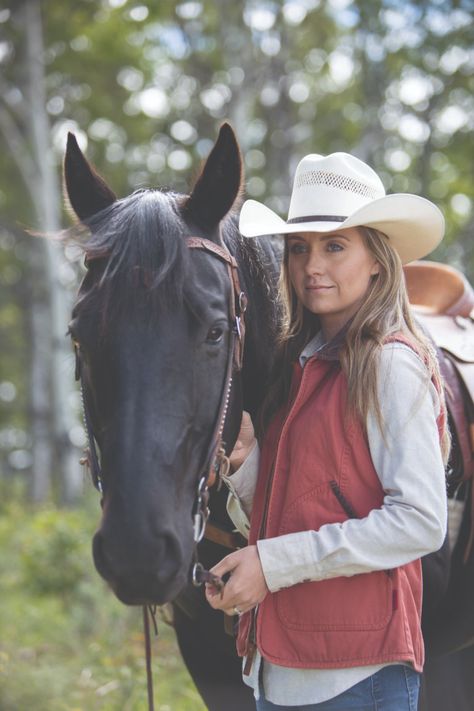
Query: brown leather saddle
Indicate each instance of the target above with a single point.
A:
(438, 290)
(443, 304)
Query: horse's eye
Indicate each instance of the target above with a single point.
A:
(214, 335)
(77, 352)
(73, 338)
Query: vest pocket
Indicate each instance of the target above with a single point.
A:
(359, 602)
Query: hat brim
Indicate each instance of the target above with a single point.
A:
(414, 225)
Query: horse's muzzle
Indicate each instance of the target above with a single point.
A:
(142, 576)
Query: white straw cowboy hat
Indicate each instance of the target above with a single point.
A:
(339, 191)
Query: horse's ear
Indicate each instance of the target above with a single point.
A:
(219, 183)
(88, 193)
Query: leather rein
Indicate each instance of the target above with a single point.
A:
(216, 462)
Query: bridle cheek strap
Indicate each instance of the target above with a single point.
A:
(216, 460)
(91, 457)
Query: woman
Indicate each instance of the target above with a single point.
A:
(350, 491)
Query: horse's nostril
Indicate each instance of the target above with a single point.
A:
(167, 558)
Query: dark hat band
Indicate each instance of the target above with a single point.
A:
(317, 218)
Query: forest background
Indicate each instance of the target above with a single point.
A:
(144, 85)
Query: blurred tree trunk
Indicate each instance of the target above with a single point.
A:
(48, 331)
(38, 314)
(40, 400)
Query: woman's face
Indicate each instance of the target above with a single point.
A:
(330, 273)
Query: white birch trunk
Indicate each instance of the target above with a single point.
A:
(48, 199)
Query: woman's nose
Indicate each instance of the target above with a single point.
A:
(314, 263)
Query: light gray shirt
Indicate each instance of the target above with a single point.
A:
(410, 523)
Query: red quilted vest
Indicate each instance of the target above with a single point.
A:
(369, 618)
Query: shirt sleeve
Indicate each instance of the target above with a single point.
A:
(412, 520)
(241, 485)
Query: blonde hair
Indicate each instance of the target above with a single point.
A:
(385, 311)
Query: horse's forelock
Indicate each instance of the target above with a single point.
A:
(141, 240)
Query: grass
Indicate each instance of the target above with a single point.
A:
(66, 643)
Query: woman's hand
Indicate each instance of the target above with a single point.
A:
(246, 586)
(245, 442)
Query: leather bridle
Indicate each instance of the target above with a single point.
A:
(216, 462)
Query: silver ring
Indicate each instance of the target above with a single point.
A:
(237, 611)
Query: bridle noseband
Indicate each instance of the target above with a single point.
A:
(216, 463)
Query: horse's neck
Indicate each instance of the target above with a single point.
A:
(259, 265)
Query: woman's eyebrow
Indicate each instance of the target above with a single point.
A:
(334, 236)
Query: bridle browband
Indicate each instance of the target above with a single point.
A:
(216, 463)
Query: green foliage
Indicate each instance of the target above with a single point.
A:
(50, 557)
(66, 643)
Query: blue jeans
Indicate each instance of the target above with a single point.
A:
(393, 688)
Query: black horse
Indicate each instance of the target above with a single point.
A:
(152, 334)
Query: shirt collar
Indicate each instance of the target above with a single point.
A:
(326, 350)
(312, 347)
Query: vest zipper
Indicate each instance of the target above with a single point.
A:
(251, 638)
(251, 644)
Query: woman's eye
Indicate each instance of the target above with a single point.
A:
(334, 247)
(297, 248)
(214, 335)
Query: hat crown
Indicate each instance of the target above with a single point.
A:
(333, 185)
